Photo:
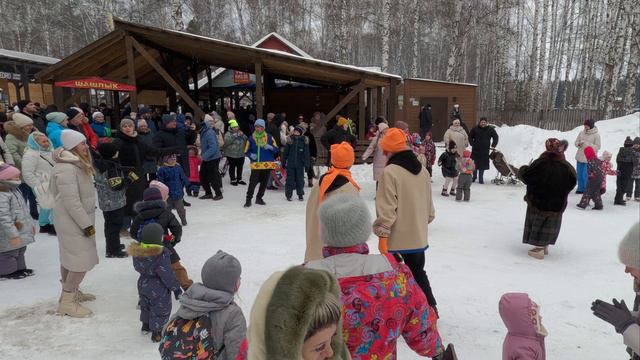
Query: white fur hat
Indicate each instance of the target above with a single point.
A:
(71, 139)
(629, 248)
(21, 120)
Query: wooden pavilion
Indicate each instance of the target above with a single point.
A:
(158, 59)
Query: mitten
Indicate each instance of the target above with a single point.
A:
(133, 176)
(177, 293)
(253, 157)
(168, 238)
(268, 147)
(89, 231)
(383, 246)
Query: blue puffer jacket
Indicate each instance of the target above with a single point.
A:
(175, 179)
(210, 149)
(262, 157)
(101, 129)
(53, 132)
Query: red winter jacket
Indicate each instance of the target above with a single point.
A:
(194, 165)
(92, 138)
(381, 302)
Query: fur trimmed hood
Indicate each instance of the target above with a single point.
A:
(142, 206)
(280, 317)
(136, 250)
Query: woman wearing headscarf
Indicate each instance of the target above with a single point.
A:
(589, 136)
(549, 180)
(379, 158)
(37, 164)
(458, 135)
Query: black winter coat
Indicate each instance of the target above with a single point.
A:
(273, 130)
(336, 136)
(448, 161)
(426, 119)
(481, 139)
(296, 153)
(624, 162)
(549, 179)
(313, 148)
(179, 139)
(156, 209)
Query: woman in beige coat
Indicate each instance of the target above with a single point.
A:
(75, 202)
(588, 137)
(457, 134)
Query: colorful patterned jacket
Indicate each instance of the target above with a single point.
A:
(607, 169)
(262, 151)
(381, 302)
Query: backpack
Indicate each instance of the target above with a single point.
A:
(188, 339)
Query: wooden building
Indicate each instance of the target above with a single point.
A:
(415, 93)
(17, 77)
(158, 59)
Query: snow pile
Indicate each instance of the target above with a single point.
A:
(522, 143)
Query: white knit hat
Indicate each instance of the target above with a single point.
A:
(21, 120)
(71, 139)
(344, 221)
(629, 248)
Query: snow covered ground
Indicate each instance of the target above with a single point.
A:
(475, 256)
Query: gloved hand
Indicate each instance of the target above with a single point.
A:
(177, 293)
(168, 238)
(268, 147)
(89, 231)
(253, 157)
(617, 314)
(383, 247)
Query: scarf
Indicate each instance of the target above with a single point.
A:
(260, 138)
(331, 175)
(362, 249)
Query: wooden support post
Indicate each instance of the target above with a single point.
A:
(195, 69)
(212, 102)
(131, 73)
(354, 91)
(361, 114)
(25, 81)
(259, 90)
(199, 114)
(379, 101)
(369, 112)
(393, 103)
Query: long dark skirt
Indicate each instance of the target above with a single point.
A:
(541, 228)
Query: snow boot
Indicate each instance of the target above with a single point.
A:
(537, 253)
(301, 198)
(260, 202)
(145, 328)
(240, 182)
(452, 192)
(217, 197)
(247, 203)
(27, 272)
(448, 354)
(16, 275)
(206, 197)
(311, 182)
(83, 297)
(288, 198)
(444, 192)
(185, 203)
(70, 305)
(156, 336)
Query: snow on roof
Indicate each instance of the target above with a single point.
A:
(28, 57)
(285, 41)
(443, 82)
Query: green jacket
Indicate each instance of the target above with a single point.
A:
(234, 144)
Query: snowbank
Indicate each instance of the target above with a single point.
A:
(522, 143)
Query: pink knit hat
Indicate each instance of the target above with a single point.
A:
(8, 172)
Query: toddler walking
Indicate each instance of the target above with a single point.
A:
(525, 332)
(172, 175)
(448, 161)
(466, 166)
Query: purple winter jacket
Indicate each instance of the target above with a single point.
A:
(523, 340)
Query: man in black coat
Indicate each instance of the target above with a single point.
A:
(426, 120)
(338, 134)
(28, 108)
(170, 136)
(482, 138)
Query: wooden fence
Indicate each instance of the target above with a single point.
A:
(562, 120)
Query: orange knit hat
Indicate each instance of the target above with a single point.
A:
(342, 155)
(342, 121)
(395, 140)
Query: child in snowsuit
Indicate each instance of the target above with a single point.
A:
(213, 297)
(194, 171)
(594, 180)
(172, 175)
(295, 159)
(607, 169)
(17, 228)
(635, 176)
(153, 209)
(156, 282)
(624, 161)
(448, 161)
(111, 181)
(466, 166)
(525, 332)
(429, 152)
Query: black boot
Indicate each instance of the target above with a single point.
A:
(247, 203)
(260, 202)
(156, 336)
(52, 230)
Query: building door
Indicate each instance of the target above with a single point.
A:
(440, 114)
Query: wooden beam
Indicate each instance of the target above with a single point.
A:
(259, 89)
(361, 114)
(199, 114)
(379, 101)
(393, 103)
(131, 73)
(212, 103)
(369, 112)
(354, 91)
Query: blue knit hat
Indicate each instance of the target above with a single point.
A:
(260, 122)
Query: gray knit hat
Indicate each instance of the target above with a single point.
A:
(629, 248)
(221, 272)
(344, 221)
(126, 122)
(152, 234)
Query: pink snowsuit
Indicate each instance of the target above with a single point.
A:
(524, 340)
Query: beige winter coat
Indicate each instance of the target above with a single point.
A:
(314, 243)
(75, 204)
(459, 136)
(586, 138)
(405, 208)
(16, 141)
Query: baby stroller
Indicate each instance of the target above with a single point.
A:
(507, 173)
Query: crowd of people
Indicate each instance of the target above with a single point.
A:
(343, 302)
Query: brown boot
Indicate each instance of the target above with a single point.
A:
(69, 305)
(537, 252)
(181, 274)
(82, 296)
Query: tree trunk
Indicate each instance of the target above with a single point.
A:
(386, 19)
(453, 64)
(630, 98)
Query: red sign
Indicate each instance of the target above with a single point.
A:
(95, 83)
(240, 77)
